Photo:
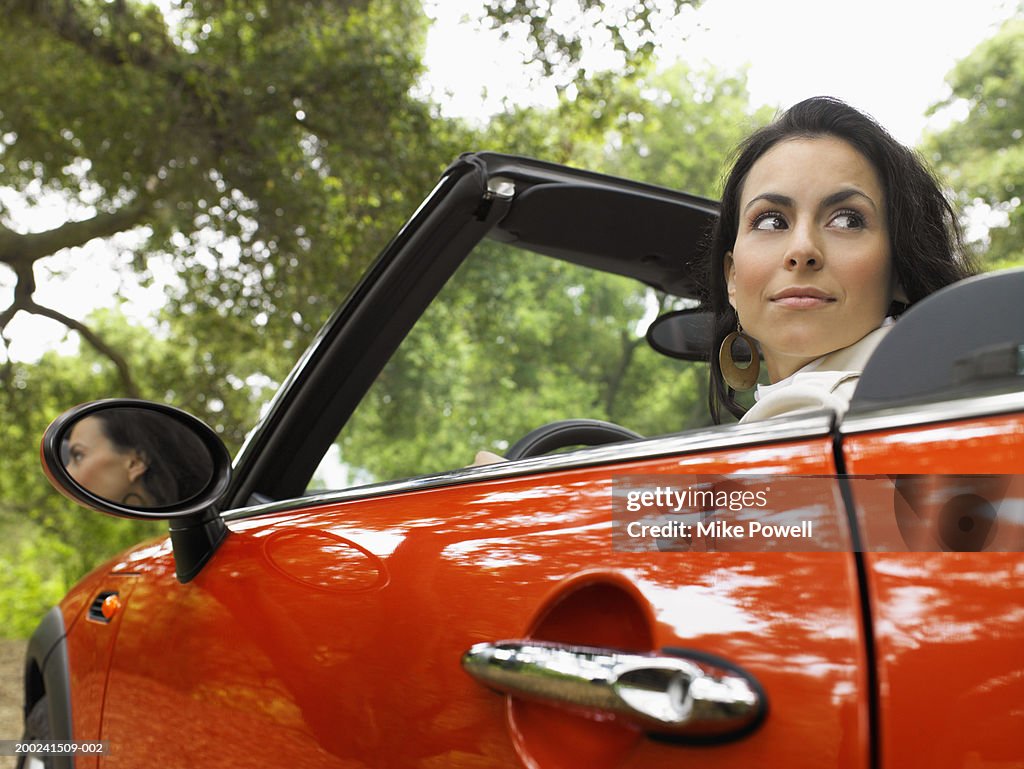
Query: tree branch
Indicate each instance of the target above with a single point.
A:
(131, 389)
(629, 347)
(67, 22)
(22, 249)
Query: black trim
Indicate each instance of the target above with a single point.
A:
(357, 342)
(863, 587)
(194, 541)
(330, 379)
(643, 234)
(724, 664)
(242, 489)
(96, 608)
(48, 671)
(964, 340)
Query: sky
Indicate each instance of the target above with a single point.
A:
(886, 57)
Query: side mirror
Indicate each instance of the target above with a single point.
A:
(137, 459)
(683, 334)
(687, 334)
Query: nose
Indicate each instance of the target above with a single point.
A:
(803, 250)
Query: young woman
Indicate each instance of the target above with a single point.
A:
(829, 228)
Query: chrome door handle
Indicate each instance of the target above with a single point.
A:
(677, 693)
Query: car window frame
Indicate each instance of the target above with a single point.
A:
(333, 376)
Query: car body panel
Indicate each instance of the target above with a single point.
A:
(309, 631)
(90, 647)
(948, 626)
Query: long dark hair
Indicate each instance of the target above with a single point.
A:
(178, 466)
(925, 238)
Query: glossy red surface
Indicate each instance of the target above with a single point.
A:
(90, 646)
(257, 662)
(949, 627)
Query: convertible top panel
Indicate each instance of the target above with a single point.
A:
(652, 238)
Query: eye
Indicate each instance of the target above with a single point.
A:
(769, 221)
(847, 220)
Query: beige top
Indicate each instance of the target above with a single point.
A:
(825, 383)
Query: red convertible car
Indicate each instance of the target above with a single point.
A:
(348, 593)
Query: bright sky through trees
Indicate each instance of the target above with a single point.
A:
(887, 57)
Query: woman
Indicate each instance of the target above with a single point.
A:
(136, 458)
(828, 229)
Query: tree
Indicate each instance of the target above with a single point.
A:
(517, 340)
(267, 147)
(983, 154)
(46, 541)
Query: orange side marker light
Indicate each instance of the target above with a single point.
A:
(111, 606)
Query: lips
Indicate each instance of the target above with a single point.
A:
(801, 297)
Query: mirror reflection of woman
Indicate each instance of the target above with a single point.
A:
(136, 458)
(108, 471)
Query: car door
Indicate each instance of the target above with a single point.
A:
(331, 626)
(331, 634)
(947, 422)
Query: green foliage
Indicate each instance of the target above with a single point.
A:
(32, 579)
(674, 126)
(269, 150)
(45, 535)
(515, 340)
(983, 154)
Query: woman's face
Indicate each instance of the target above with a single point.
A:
(810, 271)
(95, 463)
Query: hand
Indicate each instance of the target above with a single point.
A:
(487, 458)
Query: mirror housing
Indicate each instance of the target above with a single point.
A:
(687, 335)
(144, 460)
(684, 334)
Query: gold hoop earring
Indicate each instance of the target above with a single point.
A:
(736, 377)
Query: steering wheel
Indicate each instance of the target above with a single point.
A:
(568, 432)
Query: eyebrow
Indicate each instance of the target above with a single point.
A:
(829, 200)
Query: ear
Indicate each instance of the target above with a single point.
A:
(729, 267)
(137, 466)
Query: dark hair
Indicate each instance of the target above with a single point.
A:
(178, 465)
(925, 239)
